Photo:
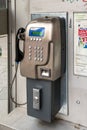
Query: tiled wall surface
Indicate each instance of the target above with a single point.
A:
(3, 78)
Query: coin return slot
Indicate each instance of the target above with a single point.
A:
(45, 73)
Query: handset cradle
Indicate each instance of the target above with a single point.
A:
(19, 36)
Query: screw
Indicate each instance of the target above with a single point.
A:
(78, 102)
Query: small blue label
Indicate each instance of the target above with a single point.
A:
(37, 32)
(85, 46)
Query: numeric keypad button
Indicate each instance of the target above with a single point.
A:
(37, 39)
(35, 48)
(38, 59)
(29, 54)
(31, 39)
(35, 58)
(30, 47)
(41, 56)
(38, 48)
(29, 58)
(34, 39)
(41, 59)
(40, 39)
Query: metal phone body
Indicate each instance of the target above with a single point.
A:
(42, 49)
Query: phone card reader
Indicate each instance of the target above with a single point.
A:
(36, 98)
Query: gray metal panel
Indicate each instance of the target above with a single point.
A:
(64, 85)
(49, 98)
(3, 21)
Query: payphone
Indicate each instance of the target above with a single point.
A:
(43, 63)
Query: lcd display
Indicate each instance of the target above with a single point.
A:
(37, 32)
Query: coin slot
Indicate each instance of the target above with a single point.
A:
(45, 73)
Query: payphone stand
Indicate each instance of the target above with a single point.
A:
(43, 63)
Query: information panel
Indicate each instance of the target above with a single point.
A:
(80, 44)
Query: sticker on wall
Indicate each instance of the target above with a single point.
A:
(84, 0)
(82, 37)
(80, 44)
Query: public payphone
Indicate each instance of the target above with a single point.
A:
(43, 63)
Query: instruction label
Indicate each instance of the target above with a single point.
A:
(80, 44)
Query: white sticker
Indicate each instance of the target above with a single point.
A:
(80, 44)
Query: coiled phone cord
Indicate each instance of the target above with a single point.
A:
(11, 86)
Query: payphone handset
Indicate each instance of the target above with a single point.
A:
(42, 49)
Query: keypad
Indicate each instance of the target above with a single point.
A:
(38, 53)
(30, 52)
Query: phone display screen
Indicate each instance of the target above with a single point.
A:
(37, 31)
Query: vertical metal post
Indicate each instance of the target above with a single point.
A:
(9, 54)
(11, 43)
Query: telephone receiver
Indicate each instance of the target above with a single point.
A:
(19, 36)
